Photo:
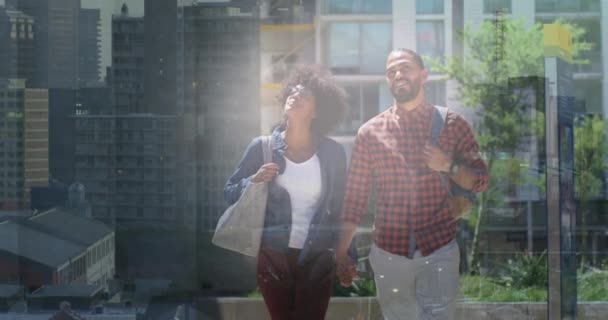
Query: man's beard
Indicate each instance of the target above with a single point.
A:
(402, 95)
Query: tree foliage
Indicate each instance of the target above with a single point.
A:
(495, 54)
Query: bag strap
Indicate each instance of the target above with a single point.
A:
(437, 123)
(266, 149)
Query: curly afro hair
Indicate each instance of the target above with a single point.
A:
(330, 98)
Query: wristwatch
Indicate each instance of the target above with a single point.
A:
(454, 168)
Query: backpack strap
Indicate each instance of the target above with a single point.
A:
(437, 122)
(266, 149)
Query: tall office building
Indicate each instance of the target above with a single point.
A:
(128, 165)
(128, 63)
(221, 92)
(23, 143)
(160, 64)
(56, 41)
(17, 55)
(64, 106)
(89, 42)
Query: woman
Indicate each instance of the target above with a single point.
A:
(306, 177)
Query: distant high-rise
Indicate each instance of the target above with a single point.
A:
(128, 165)
(128, 63)
(221, 70)
(56, 41)
(89, 43)
(17, 55)
(160, 66)
(24, 147)
(64, 106)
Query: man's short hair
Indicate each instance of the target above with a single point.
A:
(413, 54)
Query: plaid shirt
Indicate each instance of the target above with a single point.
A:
(388, 152)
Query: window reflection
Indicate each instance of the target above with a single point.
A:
(429, 6)
(342, 7)
(430, 38)
(492, 6)
(358, 48)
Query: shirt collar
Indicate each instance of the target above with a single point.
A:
(418, 113)
(279, 143)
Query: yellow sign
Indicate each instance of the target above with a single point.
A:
(557, 41)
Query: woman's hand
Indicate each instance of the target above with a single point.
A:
(266, 173)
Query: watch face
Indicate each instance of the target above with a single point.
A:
(453, 169)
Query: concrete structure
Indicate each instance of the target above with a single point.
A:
(64, 105)
(128, 165)
(220, 92)
(89, 51)
(358, 308)
(127, 63)
(17, 55)
(160, 58)
(57, 248)
(56, 41)
(24, 145)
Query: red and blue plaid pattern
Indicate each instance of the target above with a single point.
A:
(388, 151)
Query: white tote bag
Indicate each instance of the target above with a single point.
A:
(240, 227)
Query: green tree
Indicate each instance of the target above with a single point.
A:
(494, 54)
(590, 150)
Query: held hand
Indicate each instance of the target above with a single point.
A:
(266, 173)
(346, 270)
(436, 159)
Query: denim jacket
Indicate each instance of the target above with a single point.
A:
(324, 228)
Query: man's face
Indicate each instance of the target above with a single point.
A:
(404, 76)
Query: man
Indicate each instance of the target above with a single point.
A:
(414, 255)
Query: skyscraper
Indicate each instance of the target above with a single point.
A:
(89, 47)
(64, 106)
(128, 63)
(17, 55)
(23, 143)
(56, 41)
(127, 163)
(160, 65)
(221, 98)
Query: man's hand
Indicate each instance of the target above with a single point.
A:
(345, 269)
(436, 159)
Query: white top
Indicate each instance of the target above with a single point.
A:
(303, 183)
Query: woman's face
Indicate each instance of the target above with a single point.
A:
(300, 105)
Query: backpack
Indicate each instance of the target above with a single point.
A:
(461, 200)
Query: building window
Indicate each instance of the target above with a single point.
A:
(429, 7)
(358, 7)
(546, 6)
(434, 92)
(365, 100)
(491, 6)
(358, 48)
(430, 38)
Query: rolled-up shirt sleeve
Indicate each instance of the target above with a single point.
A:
(357, 188)
(467, 153)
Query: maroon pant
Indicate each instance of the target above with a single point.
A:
(293, 291)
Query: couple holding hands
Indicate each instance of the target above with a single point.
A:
(316, 201)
